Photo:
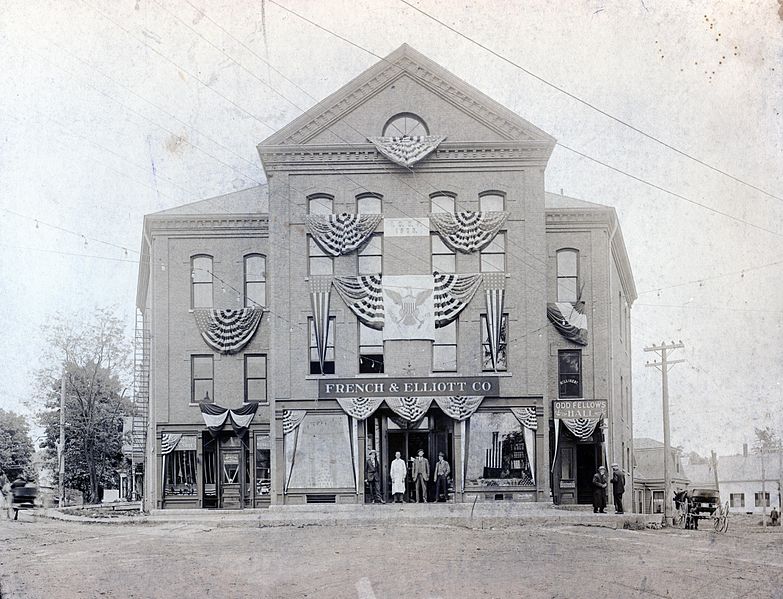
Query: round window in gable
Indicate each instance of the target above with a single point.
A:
(405, 124)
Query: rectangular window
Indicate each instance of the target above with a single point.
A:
(486, 356)
(444, 349)
(569, 373)
(758, 497)
(657, 500)
(567, 275)
(255, 378)
(567, 463)
(315, 366)
(202, 379)
(493, 257)
(737, 499)
(201, 286)
(180, 473)
(496, 455)
(371, 256)
(370, 350)
(621, 309)
(319, 262)
(443, 258)
(255, 280)
(263, 466)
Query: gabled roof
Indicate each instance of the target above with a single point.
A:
(559, 201)
(405, 61)
(253, 200)
(645, 443)
(738, 468)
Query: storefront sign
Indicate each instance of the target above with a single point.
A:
(407, 387)
(579, 408)
(406, 227)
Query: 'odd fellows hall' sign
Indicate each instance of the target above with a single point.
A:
(407, 387)
(579, 408)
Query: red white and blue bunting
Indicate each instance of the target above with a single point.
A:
(360, 408)
(343, 233)
(468, 232)
(569, 320)
(409, 408)
(169, 442)
(320, 291)
(459, 407)
(364, 297)
(292, 419)
(228, 331)
(495, 293)
(406, 150)
(215, 417)
(452, 295)
(526, 417)
(582, 428)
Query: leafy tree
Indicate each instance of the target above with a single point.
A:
(95, 358)
(16, 447)
(766, 440)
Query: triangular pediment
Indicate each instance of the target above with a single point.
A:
(406, 81)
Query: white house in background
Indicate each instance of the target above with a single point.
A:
(740, 480)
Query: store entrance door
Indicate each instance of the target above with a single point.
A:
(586, 467)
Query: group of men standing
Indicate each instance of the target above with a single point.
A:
(420, 475)
(600, 485)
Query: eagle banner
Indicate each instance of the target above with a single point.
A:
(409, 307)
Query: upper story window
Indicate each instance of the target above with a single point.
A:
(255, 378)
(371, 256)
(320, 204)
(201, 281)
(202, 384)
(486, 350)
(369, 204)
(442, 202)
(444, 349)
(493, 256)
(319, 262)
(315, 365)
(405, 124)
(492, 201)
(370, 350)
(444, 259)
(567, 275)
(569, 373)
(255, 280)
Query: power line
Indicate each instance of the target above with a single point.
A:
(31, 249)
(589, 104)
(712, 278)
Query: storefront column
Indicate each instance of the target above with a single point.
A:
(277, 459)
(459, 466)
(543, 461)
(200, 468)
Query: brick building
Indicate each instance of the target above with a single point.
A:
(402, 283)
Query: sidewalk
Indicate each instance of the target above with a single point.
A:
(480, 515)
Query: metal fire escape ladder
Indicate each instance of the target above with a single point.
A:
(141, 389)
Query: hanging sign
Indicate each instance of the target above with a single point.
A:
(579, 408)
(408, 387)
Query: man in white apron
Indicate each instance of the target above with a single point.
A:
(398, 472)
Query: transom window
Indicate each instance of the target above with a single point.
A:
(493, 256)
(492, 201)
(371, 256)
(405, 124)
(255, 280)
(320, 204)
(442, 202)
(444, 349)
(444, 259)
(201, 277)
(368, 204)
(370, 349)
(567, 275)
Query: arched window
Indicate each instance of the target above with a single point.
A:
(567, 275)
(442, 202)
(201, 281)
(320, 204)
(369, 203)
(405, 124)
(255, 280)
(492, 201)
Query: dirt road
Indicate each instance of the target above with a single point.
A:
(40, 558)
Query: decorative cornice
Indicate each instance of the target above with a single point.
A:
(229, 223)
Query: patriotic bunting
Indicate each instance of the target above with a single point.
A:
(292, 419)
(530, 449)
(340, 234)
(569, 320)
(410, 408)
(363, 296)
(215, 417)
(168, 442)
(452, 294)
(459, 407)
(320, 288)
(406, 150)
(495, 293)
(526, 417)
(228, 331)
(583, 428)
(360, 408)
(468, 232)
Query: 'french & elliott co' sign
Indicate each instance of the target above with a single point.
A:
(407, 387)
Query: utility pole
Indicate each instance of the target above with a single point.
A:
(715, 469)
(763, 490)
(663, 366)
(61, 444)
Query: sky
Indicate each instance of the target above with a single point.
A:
(110, 110)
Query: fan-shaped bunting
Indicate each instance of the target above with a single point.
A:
(228, 331)
(459, 407)
(581, 427)
(406, 150)
(452, 294)
(363, 296)
(410, 408)
(360, 408)
(339, 234)
(468, 232)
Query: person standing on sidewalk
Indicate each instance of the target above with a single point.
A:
(372, 476)
(442, 471)
(421, 474)
(397, 473)
(599, 491)
(618, 488)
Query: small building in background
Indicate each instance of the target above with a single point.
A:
(740, 481)
(648, 481)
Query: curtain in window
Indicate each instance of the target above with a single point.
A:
(406, 150)
(320, 291)
(468, 232)
(343, 233)
(228, 331)
(569, 320)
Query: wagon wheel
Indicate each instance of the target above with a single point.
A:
(679, 519)
(721, 518)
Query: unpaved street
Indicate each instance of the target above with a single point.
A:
(40, 558)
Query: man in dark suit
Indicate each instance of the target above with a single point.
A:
(372, 476)
(618, 488)
(420, 475)
(599, 491)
